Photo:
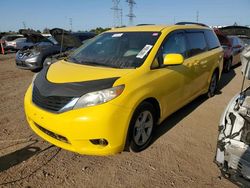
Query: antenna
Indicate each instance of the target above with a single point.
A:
(131, 14)
(117, 13)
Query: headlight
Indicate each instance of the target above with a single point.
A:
(99, 97)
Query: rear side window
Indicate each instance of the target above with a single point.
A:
(196, 43)
(212, 40)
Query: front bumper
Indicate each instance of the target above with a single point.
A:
(74, 129)
(25, 63)
(9, 48)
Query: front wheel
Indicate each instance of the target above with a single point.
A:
(213, 85)
(141, 127)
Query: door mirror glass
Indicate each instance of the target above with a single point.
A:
(173, 59)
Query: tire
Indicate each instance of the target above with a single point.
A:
(228, 65)
(141, 127)
(213, 85)
(36, 70)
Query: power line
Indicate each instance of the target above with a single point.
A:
(131, 14)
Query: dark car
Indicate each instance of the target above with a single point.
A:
(228, 50)
(232, 46)
(33, 57)
(238, 47)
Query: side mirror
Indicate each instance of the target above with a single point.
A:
(173, 59)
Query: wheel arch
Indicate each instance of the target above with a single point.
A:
(157, 107)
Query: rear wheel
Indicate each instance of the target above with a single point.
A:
(228, 65)
(141, 127)
(213, 85)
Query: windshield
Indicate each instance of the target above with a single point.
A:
(118, 50)
(52, 40)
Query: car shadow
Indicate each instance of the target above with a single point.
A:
(176, 117)
(14, 158)
(225, 79)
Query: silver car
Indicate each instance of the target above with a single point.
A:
(23, 43)
(9, 42)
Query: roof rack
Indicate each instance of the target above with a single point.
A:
(144, 24)
(191, 23)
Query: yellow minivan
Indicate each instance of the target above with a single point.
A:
(113, 90)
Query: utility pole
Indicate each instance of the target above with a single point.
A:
(121, 16)
(117, 17)
(197, 16)
(24, 24)
(71, 24)
(131, 14)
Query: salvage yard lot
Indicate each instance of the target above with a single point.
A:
(181, 154)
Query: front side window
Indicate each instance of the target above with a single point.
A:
(118, 50)
(175, 43)
(197, 43)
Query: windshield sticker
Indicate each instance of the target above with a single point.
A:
(117, 35)
(144, 51)
(155, 34)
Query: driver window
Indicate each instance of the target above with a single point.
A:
(175, 43)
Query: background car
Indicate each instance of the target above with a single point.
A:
(33, 57)
(9, 42)
(245, 39)
(23, 43)
(237, 46)
(228, 50)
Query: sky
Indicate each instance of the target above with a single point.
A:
(89, 14)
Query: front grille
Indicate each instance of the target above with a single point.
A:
(51, 103)
(53, 135)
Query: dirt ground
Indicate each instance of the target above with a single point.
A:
(181, 154)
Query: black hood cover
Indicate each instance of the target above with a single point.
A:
(72, 89)
(236, 30)
(33, 36)
(65, 38)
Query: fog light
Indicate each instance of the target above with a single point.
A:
(101, 142)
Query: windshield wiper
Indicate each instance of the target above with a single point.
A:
(93, 63)
(71, 59)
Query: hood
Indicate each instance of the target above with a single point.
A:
(64, 72)
(33, 36)
(65, 38)
(236, 30)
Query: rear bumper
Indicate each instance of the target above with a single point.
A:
(74, 130)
